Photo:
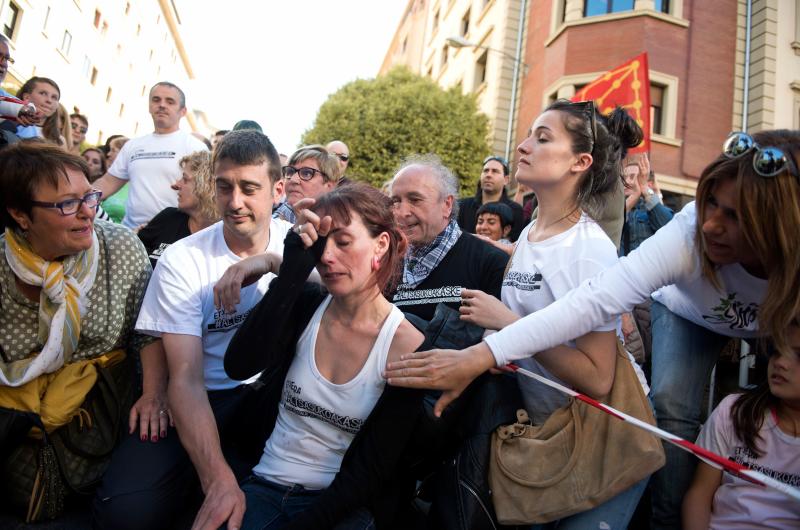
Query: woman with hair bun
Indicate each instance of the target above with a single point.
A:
(572, 156)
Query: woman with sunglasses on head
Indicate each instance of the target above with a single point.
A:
(726, 266)
(311, 172)
(571, 156)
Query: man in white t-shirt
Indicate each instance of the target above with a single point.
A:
(146, 482)
(150, 162)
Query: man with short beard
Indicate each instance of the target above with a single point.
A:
(491, 188)
(146, 484)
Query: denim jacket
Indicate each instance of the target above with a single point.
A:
(646, 217)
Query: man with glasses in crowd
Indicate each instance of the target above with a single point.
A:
(311, 172)
(491, 188)
(340, 150)
(150, 162)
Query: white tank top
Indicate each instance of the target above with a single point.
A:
(317, 420)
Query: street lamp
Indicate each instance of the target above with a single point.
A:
(460, 42)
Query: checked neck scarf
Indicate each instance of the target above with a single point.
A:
(64, 285)
(420, 261)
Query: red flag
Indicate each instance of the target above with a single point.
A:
(626, 86)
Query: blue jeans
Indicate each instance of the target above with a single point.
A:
(271, 506)
(614, 514)
(683, 356)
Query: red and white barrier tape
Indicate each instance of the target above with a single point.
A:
(705, 455)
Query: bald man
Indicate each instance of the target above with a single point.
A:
(340, 150)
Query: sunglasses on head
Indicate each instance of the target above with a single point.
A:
(767, 161)
(588, 106)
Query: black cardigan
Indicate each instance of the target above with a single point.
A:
(371, 474)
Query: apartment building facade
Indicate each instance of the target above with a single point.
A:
(104, 54)
(472, 44)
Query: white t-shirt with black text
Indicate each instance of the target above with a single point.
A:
(150, 164)
(739, 504)
(180, 296)
(541, 273)
(666, 266)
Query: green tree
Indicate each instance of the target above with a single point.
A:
(385, 119)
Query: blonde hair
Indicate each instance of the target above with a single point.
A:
(199, 165)
(769, 216)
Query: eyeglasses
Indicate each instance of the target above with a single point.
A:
(78, 128)
(767, 161)
(588, 106)
(71, 206)
(8, 58)
(342, 157)
(305, 173)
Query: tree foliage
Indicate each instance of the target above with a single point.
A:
(385, 119)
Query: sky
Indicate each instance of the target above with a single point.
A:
(276, 62)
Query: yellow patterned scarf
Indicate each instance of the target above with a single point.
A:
(62, 303)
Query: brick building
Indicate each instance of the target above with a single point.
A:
(691, 54)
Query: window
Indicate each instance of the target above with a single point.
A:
(656, 109)
(108, 94)
(602, 7)
(480, 70)
(94, 76)
(66, 42)
(444, 56)
(121, 109)
(87, 67)
(151, 55)
(662, 6)
(98, 17)
(404, 46)
(138, 29)
(136, 128)
(143, 89)
(435, 22)
(104, 30)
(127, 7)
(11, 20)
(430, 72)
(465, 24)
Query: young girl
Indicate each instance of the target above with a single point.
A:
(572, 155)
(725, 266)
(760, 429)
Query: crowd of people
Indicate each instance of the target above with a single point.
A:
(205, 333)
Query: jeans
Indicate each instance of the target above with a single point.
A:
(683, 356)
(154, 485)
(271, 506)
(614, 514)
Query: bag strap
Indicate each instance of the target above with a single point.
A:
(567, 469)
(107, 392)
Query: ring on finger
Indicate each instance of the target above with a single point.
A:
(162, 412)
(298, 229)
